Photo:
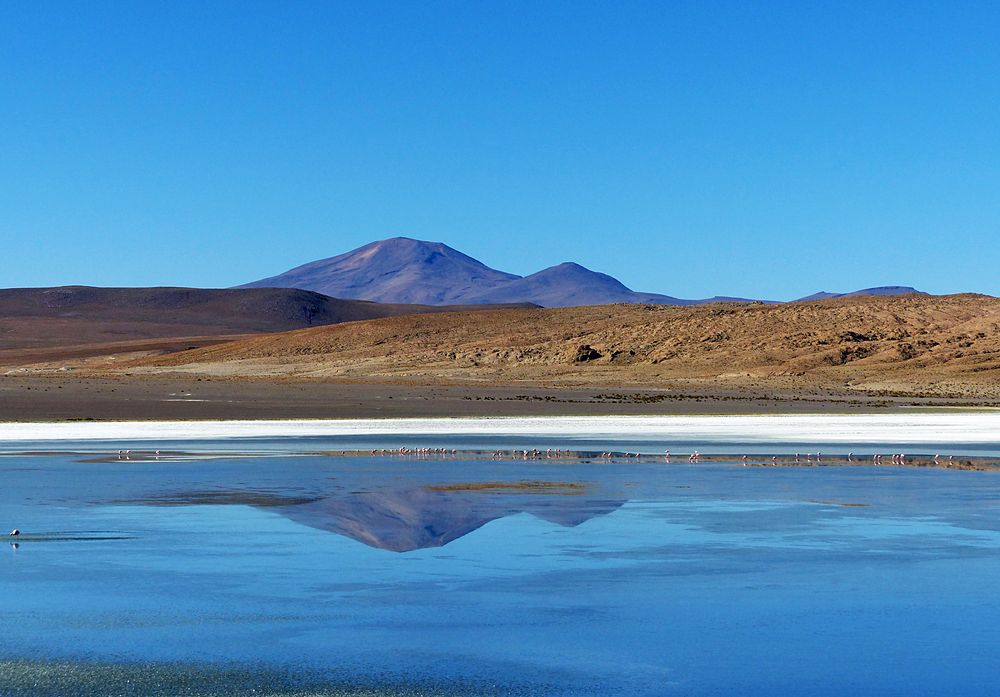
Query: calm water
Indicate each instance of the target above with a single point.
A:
(283, 572)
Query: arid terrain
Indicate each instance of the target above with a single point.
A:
(37, 317)
(856, 352)
(937, 346)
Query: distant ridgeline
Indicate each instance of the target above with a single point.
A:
(393, 277)
(38, 317)
(403, 270)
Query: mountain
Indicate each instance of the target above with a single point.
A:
(404, 270)
(569, 284)
(879, 290)
(37, 317)
(396, 270)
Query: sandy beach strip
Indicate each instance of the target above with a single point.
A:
(916, 428)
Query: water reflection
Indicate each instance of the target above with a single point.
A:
(633, 578)
(403, 520)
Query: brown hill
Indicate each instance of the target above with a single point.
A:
(936, 345)
(35, 318)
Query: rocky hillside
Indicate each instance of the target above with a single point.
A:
(934, 344)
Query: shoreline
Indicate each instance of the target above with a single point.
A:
(968, 428)
(555, 458)
(68, 397)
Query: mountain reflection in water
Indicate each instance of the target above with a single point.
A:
(403, 520)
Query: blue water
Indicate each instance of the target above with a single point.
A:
(643, 579)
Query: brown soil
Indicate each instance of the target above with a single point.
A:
(50, 396)
(946, 346)
(849, 354)
(32, 318)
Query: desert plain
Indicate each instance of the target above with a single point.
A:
(847, 354)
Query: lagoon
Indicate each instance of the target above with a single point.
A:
(262, 563)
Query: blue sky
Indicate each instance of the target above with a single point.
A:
(691, 148)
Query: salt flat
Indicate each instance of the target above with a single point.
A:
(917, 428)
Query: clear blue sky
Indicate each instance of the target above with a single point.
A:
(690, 148)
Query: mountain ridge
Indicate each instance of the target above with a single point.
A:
(878, 290)
(406, 270)
(394, 270)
